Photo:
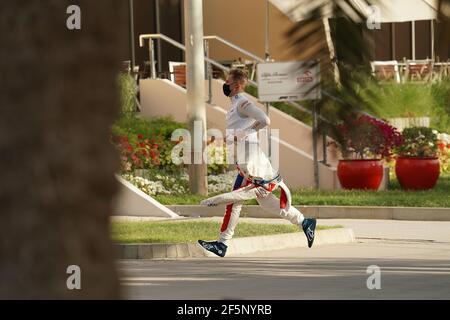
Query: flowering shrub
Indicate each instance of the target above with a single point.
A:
(444, 151)
(137, 153)
(147, 144)
(151, 188)
(158, 183)
(221, 182)
(365, 137)
(418, 142)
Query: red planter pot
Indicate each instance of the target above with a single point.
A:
(360, 174)
(417, 173)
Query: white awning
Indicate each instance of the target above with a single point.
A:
(390, 10)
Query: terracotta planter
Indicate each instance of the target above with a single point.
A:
(417, 173)
(360, 174)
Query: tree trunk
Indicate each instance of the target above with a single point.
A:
(57, 103)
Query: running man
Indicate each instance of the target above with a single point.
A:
(256, 178)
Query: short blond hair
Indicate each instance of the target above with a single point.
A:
(238, 75)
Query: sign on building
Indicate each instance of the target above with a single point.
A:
(288, 81)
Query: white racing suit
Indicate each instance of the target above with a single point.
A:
(256, 178)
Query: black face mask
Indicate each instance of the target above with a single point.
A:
(226, 89)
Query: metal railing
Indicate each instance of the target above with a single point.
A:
(180, 46)
(255, 58)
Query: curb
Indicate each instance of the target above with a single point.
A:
(236, 247)
(327, 212)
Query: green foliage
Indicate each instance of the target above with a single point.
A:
(128, 90)
(441, 108)
(392, 100)
(252, 90)
(418, 142)
(162, 126)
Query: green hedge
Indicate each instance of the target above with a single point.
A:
(390, 100)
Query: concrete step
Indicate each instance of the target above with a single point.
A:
(237, 246)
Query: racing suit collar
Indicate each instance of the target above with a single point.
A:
(236, 96)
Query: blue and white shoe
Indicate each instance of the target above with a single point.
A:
(216, 247)
(309, 227)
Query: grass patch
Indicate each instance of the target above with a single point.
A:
(394, 197)
(191, 231)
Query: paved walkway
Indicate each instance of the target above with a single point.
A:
(414, 258)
